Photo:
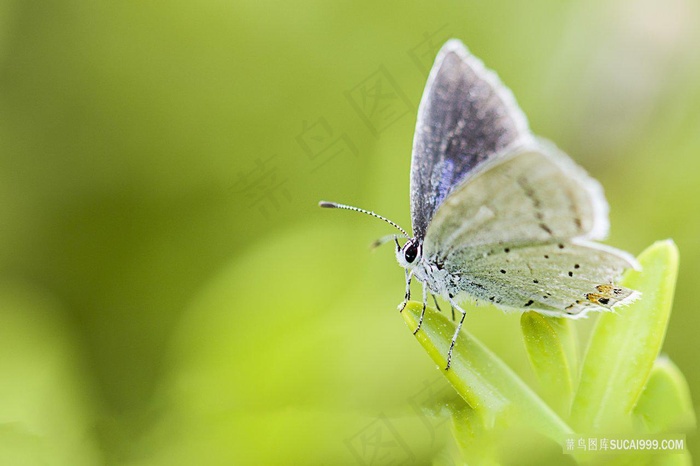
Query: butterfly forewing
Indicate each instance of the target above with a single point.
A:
(466, 116)
(529, 196)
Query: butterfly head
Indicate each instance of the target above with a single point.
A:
(409, 255)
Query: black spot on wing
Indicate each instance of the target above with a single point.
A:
(536, 203)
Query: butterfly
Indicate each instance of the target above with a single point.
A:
(499, 215)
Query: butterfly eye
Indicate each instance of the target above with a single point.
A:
(411, 252)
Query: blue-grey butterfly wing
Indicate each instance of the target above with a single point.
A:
(568, 278)
(534, 194)
(466, 116)
(517, 232)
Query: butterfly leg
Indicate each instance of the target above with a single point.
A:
(407, 296)
(425, 305)
(456, 334)
(453, 312)
(437, 306)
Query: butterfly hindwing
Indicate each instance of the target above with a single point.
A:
(566, 278)
(466, 116)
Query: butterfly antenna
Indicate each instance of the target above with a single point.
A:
(382, 240)
(335, 205)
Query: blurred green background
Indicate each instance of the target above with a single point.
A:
(170, 292)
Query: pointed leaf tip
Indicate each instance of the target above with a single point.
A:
(625, 344)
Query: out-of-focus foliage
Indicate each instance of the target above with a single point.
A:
(171, 292)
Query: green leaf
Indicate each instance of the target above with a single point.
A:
(665, 404)
(476, 443)
(625, 344)
(551, 349)
(485, 382)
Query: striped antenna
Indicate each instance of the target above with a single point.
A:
(335, 205)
